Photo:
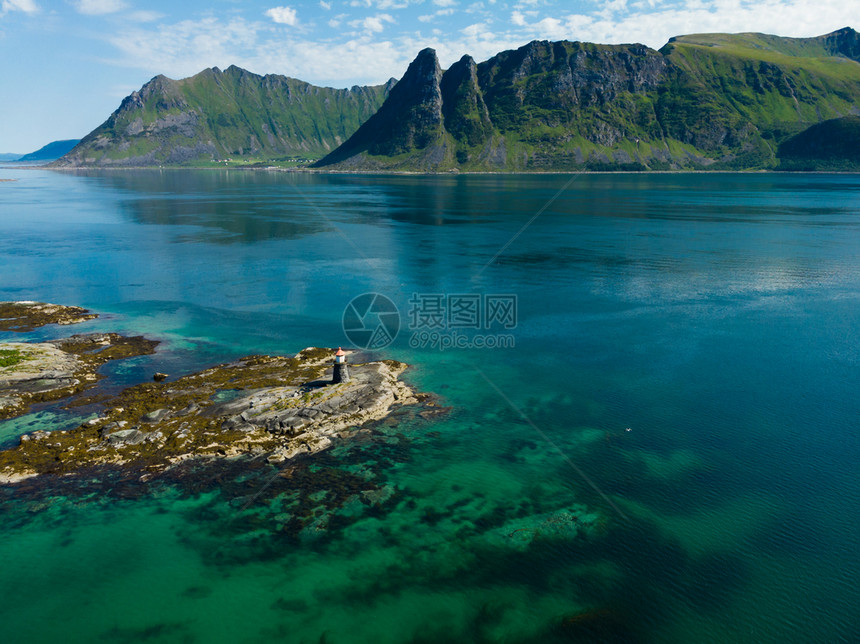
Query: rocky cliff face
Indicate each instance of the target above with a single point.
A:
(711, 100)
(843, 42)
(225, 114)
(465, 113)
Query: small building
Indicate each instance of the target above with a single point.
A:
(341, 369)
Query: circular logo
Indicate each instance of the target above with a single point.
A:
(371, 321)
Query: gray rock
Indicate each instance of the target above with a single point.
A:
(155, 416)
(128, 437)
(190, 409)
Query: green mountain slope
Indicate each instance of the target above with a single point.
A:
(831, 145)
(715, 101)
(231, 114)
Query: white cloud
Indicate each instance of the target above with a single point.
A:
(335, 22)
(617, 21)
(25, 6)
(445, 3)
(325, 5)
(99, 7)
(283, 15)
(186, 47)
(145, 16)
(432, 16)
(373, 24)
(370, 49)
(383, 5)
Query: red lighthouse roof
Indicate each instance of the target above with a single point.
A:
(340, 352)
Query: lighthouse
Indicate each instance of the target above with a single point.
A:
(341, 369)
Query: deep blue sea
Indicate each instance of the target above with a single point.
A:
(657, 443)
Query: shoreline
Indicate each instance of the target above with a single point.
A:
(441, 173)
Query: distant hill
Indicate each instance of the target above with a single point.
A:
(9, 156)
(831, 145)
(50, 152)
(716, 101)
(230, 114)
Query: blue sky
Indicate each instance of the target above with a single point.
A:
(69, 63)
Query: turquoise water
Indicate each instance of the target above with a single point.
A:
(715, 316)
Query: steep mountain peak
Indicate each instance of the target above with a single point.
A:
(235, 70)
(422, 76)
(409, 120)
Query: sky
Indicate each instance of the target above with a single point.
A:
(67, 64)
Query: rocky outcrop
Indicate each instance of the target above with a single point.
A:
(272, 406)
(31, 373)
(25, 316)
(547, 80)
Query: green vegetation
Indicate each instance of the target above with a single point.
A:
(11, 357)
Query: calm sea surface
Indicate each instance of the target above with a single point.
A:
(668, 453)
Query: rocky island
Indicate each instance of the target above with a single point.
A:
(272, 407)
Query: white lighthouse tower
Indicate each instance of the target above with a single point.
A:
(341, 369)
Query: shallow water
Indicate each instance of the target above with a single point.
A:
(715, 316)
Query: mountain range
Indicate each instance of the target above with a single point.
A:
(706, 101)
(219, 115)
